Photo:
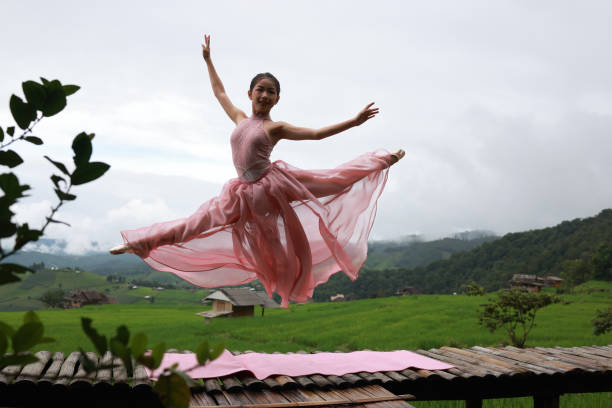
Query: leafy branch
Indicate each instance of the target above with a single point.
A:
(45, 99)
(42, 100)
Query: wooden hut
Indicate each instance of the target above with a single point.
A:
(533, 283)
(237, 302)
(81, 297)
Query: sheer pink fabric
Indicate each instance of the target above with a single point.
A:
(290, 228)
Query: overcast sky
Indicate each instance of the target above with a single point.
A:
(503, 107)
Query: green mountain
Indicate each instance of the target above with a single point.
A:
(542, 252)
(385, 255)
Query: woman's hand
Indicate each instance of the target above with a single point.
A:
(206, 48)
(366, 113)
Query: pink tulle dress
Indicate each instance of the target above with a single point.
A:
(290, 228)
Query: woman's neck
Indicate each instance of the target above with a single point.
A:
(260, 115)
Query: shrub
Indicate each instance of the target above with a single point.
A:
(514, 311)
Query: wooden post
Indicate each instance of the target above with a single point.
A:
(473, 403)
(546, 401)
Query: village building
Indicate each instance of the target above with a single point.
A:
(407, 291)
(236, 302)
(81, 297)
(533, 283)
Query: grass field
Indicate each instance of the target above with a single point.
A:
(412, 322)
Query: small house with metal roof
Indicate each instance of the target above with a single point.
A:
(237, 302)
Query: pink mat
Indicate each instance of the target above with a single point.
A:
(264, 365)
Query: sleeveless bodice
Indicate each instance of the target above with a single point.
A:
(251, 148)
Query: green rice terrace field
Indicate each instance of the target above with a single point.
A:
(411, 322)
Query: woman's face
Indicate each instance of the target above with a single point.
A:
(263, 96)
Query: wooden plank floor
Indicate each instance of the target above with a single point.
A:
(479, 373)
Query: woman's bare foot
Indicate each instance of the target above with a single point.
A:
(120, 249)
(396, 156)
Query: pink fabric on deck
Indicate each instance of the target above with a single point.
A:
(264, 365)
(290, 228)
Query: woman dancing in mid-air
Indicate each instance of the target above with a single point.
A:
(290, 228)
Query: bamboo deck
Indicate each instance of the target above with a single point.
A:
(479, 373)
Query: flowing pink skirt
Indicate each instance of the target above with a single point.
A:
(291, 229)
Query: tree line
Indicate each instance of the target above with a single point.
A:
(576, 250)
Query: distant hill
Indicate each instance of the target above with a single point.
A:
(389, 254)
(491, 264)
(25, 295)
(127, 265)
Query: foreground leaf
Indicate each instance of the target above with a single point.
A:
(34, 140)
(70, 89)
(158, 354)
(87, 364)
(64, 196)
(59, 165)
(3, 343)
(22, 112)
(27, 336)
(17, 359)
(30, 316)
(87, 172)
(56, 98)
(98, 340)
(81, 145)
(173, 391)
(6, 329)
(202, 352)
(10, 158)
(9, 183)
(35, 94)
(216, 351)
(8, 274)
(138, 344)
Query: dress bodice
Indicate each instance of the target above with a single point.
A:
(251, 148)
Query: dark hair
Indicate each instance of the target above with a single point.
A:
(263, 75)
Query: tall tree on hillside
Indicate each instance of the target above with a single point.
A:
(575, 272)
(601, 262)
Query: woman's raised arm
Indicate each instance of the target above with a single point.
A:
(282, 130)
(235, 114)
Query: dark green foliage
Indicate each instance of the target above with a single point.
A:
(601, 262)
(575, 271)
(473, 289)
(53, 297)
(42, 99)
(603, 321)
(514, 311)
(172, 385)
(21, 339)
(539, 252)
(391, 255)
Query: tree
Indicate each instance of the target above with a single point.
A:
(601, 262)
(515, 311)
(473, 289)
(53, 297)
(575, 272)
(603, 321)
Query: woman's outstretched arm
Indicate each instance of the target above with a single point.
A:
(283, 130)
(235, 114)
